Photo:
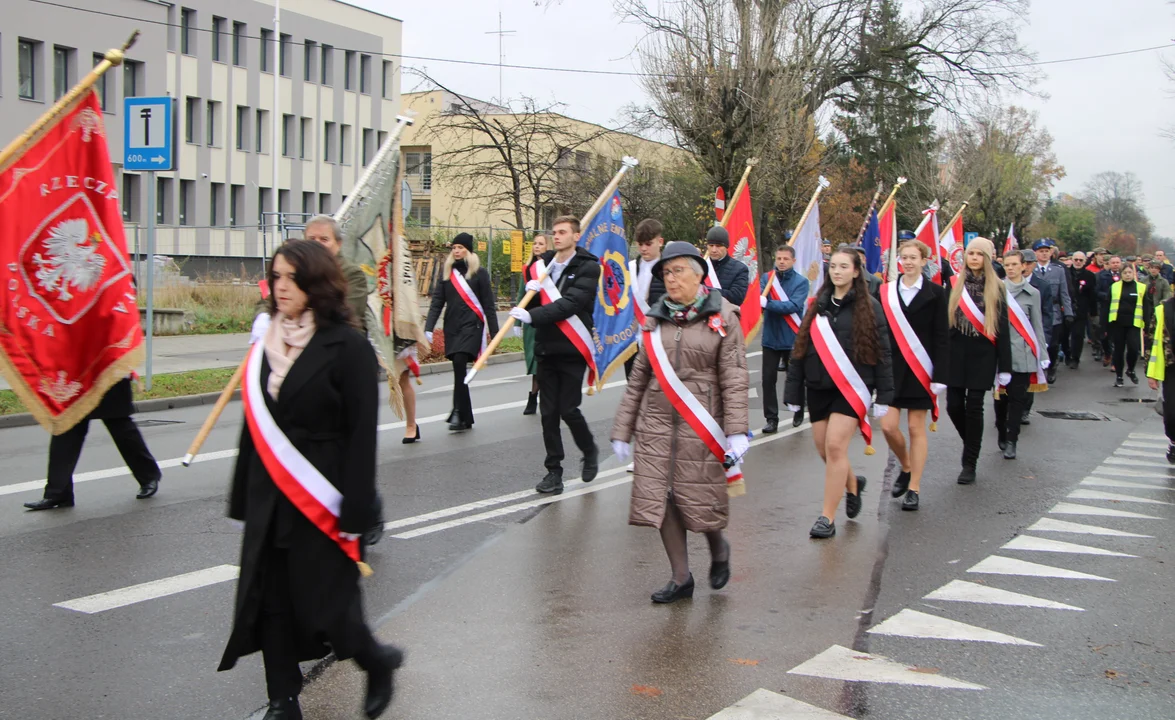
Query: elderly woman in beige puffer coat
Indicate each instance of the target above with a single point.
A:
(678, 483)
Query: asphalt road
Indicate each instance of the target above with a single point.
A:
(513, 609)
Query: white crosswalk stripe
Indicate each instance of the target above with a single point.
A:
(997, 565)
(1076, 509)
(766, 705)
(1047, 524)
(917, 624)
(841, 663)
(1113, 497)
(1035, 544)
(1110, 482)
(963, 591)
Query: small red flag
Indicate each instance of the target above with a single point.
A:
(745, 248)
(70, 327)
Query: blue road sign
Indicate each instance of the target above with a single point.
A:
(968, 237)
(147, 133)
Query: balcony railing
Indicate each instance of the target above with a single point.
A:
(421, 184)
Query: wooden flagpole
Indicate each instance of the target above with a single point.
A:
(626, 164)
(893, 248)
(954, 219)
(738, 192)
(821, 184)
(869, 212)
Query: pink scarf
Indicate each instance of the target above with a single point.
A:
(284, 342)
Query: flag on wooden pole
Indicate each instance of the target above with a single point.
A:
(927, 234)
(1011, 243)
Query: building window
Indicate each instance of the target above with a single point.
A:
(380, 138)
(242, 128)
(288, 135)
(213, 129)
(283, 54)
(420, 214)
(368, 141)
(187, 30)
(132, 78)
(187, 201)
(324, 203)
(266, 54)
(163, 201)
(328, 64)
(192, 120)
(262, 121)
(130, 197)
(216, 205)
(583, 161)
(307, 203)
(387, 80)
(236, 205)
(239, 44)
(365, 74)
(263, 204)
(345, 151)
(100, 86)
(349, 70)
(283, 201)
(308, 60)
(63, 71)
(28, 57)
(419, 165)
(328, 142)
(217, 38)
(304, 138)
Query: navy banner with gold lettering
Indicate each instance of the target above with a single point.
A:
(615, 330)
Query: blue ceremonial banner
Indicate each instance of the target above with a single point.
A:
(615, 320)
(871, 242)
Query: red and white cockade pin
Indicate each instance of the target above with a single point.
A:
(716, 325)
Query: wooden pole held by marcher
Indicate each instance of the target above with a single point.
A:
(869, 213)
(821, 184)
(217, 409)
(626, 164)
(893, 249)
(738, 191)
(954, 219)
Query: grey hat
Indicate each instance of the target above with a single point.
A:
(717, 235)
(681, 248)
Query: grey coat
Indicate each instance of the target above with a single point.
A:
(1056, 304)
(1028, 298)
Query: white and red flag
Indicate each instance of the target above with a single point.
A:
(1011, 243)
(927, 234)
(69, 326)
(950, 244)
(887, 223)
(740, 223)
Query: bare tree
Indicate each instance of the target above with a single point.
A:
(1117, 201)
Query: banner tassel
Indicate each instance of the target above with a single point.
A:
(738, 488)
(365, 569)
(933, 426)
(869, 450)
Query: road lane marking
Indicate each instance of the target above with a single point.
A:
(151, 590)
(1108, 482)
(766, 705)
(1115, 460)
(1080, 494)
(1064, 508)
(996, 565)
(1035, 544)
(1131, 452)
(963, 591)
(1123, 472)
(458, 509)
(475, 384)
(1145, 445)
(1062, 526)
(841, 663)
(917, 624)
(1147, 436)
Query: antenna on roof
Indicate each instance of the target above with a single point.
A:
(501, 56)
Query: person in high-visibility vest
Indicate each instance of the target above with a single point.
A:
(1161, 366)
(1125, 323)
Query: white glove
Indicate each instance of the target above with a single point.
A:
(260, 327)
(622, 449)
(428, 336)
(737, 446)
(879, 411)
(762, 301)
(533, 286)
(1044, 363)
(937, 388)
(238, 525)
(792, 408)
(517, 331)
(407, 352)
(349, 536)
(520, 314)
(1003, 379)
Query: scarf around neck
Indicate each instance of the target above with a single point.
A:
(284, 342)
(684, 313)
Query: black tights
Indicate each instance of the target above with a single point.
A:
(673, 537)
(965, 408)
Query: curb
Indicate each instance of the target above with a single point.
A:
(187, 401)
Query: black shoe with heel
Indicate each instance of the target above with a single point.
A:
(532, 404)
(853, 501)
(414, 438)
(285, 709)
(900, 485)
(720, 570)
(910, 502)
(672, 592)
(148, 489)
(380, 683)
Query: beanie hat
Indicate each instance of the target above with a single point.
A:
(464, 239)
(717, 235)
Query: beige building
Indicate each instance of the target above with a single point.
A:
(444, 196)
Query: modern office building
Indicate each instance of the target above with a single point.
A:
(338, 74)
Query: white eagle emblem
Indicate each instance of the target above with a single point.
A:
(70, 259)
(745, 254)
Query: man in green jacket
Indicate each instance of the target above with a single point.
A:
(323, 230)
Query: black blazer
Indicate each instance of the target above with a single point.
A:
(927, 314)
(578, 285)
(328, 408)
(975, 361)
(462, 326)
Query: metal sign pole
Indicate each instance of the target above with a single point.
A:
(150, 269)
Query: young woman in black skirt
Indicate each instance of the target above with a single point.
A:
(923, 314)
(857, 321)
(979, 349)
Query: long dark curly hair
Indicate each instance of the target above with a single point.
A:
(866, 348)
(318, 274)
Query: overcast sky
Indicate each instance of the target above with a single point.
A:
(1103, 114)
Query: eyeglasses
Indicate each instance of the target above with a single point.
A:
(678, 271)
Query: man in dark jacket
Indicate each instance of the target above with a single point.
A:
(576, 275)
(1084, 306)
(1056, 307)
(733, 276)
(778, 336)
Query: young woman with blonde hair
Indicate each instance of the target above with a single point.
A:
(979, 347)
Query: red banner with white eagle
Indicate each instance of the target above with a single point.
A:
(69, 328)
(745, 248)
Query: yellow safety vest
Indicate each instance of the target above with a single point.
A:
(1116, 295)
(1156, 368)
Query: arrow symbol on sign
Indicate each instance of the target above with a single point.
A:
(158, 159)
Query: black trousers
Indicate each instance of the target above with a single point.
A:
(1169, 405)
(1107, 341)
(1076, 338)
(965, 408)
(1010, 406)
(772, 360)
(1127, 342)
(1058, 335)
(66, 448)
(462, 404)
(561, 380)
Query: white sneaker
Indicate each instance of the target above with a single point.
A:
(631, 467)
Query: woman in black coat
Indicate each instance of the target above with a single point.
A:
(298, 593)
(858, 322)
(976, 359)
(463, 327)
(923, 304)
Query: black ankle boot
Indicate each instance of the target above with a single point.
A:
(284, 709)
(380, 666)
(532, 404)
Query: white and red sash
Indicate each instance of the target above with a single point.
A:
(301, 482)
(711, 279)
(1020, 321)
(775, 292)
(912, 349)
(844, 375)
(687, 404)
(972, 312)
(640, 303)
(573, 328)
(467, 294)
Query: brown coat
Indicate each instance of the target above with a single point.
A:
(669, 457)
